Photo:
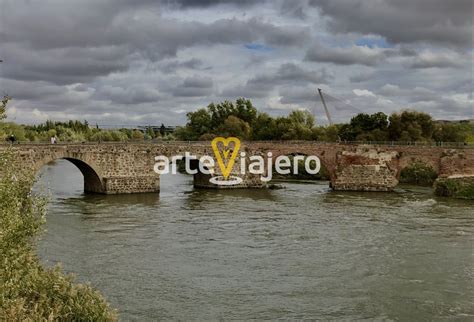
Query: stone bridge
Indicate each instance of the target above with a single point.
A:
(115, 168)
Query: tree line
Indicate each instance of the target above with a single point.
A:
(243, 120)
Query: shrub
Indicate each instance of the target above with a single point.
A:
(137, 135)
(461, 188)
(418, 173)
(28, 291)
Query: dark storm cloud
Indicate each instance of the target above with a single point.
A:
(138, 29)
(62, 65)
(288, 73)
(174, 65)
(403, 21)
(251, 89)
(361, 77)
(28, 90)
(194, 86)
(145, 60)
(208, 3)
(415, 94)
(79, 41)
(355, 55)
(198, 82)
(298, 95)
(128, 95)
(293, 73)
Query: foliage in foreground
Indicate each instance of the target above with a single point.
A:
(29, 292)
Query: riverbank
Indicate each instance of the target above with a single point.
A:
(30, 292)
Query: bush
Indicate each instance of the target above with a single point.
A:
(418, 173)
(9, 128)
(28, 291)
(461, 188)
(137, 135)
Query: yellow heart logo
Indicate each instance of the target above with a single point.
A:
(225, 168)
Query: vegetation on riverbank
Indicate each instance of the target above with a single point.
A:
(243, 120)
(418, 173)
(460, 188)
(75, 131)
(28, 291)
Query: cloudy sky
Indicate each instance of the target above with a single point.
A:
(150, 61)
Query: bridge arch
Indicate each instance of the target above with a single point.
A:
(408, 161)
(326, 165)
(93, 182)
(416, 170)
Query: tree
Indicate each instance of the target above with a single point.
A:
(234, 126)
(3, 107)
(245, 110)
(210, 121)
(462, 132)
(304, 118)
(150, 133)
(263, 127)
(411, 126)
(300, 125)
(199, 122)
(137, 135)
(365, 127)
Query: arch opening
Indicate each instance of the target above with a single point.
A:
(323, 175)
(92, 181)
(417, 173)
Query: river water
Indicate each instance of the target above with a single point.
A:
(299, 252)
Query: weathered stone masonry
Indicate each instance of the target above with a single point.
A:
(115, 168)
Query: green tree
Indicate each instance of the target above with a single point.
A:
(454, 132)
(264, 127)
(365, 127)
(3, 107)
(199, 123)
(411, 126)
(234, 126)
(300, 125)
(245, 111)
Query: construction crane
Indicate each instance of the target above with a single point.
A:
(325, 107)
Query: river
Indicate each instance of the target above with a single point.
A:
(299, 252)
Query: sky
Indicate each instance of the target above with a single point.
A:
(147, 62)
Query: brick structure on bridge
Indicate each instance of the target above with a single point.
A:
(115, 168)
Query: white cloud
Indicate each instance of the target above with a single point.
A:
(363, 92)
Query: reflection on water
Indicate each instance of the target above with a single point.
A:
(299, 252)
